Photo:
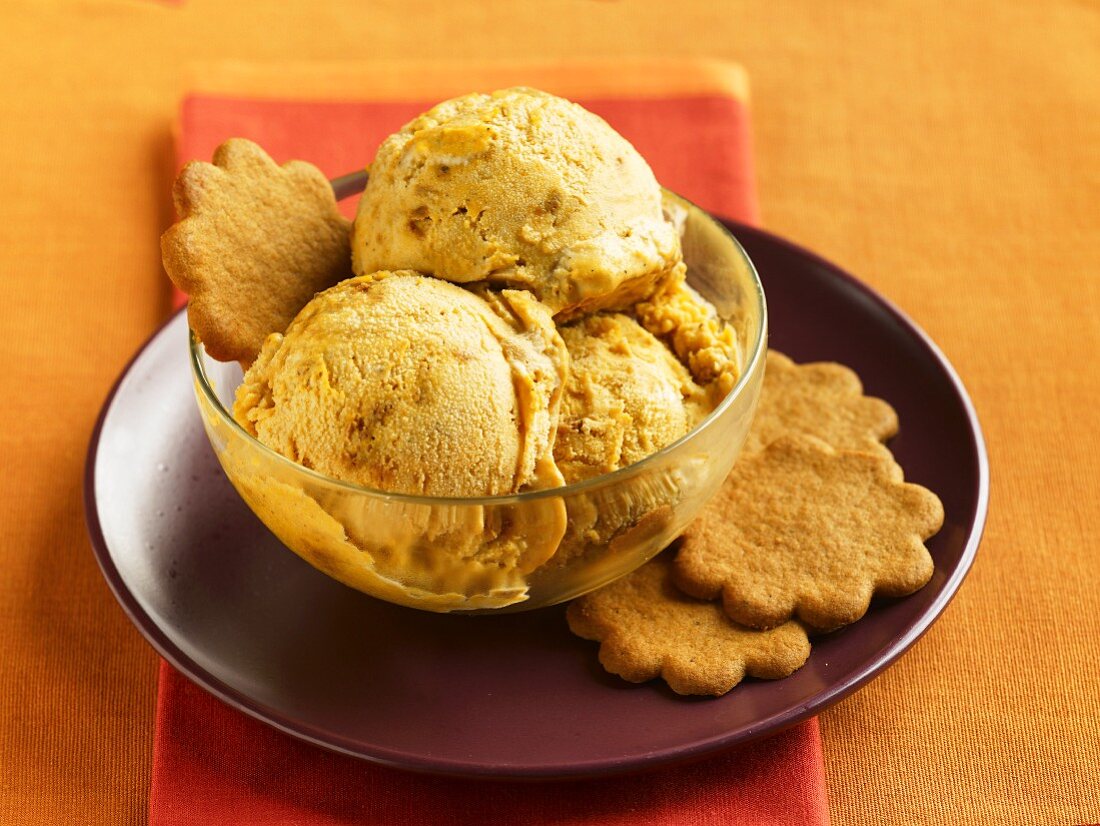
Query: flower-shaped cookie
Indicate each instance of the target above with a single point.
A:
(821, 399)
(801, 530)
(253, 243)
(647, 628)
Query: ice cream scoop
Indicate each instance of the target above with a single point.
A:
(528, 549)
(520, 320)
(627, 396)
(404, 383)
(692, 328)
(518, 188)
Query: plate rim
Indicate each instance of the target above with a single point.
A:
(697, 749)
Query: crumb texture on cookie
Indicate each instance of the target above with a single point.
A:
(821, 399)
(802, 530)
(254, 241)
(647, 629)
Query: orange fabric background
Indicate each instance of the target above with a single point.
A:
(946, 153)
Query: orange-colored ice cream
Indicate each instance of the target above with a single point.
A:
(405, 383)
(627, 396)
(522, 189)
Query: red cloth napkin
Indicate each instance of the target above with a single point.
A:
(215, 765)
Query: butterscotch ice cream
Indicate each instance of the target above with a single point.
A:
(690, 325)
(627, 396)
(518, 188)
(410, 384)
(518, 320)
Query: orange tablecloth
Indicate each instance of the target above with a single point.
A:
(945, 153)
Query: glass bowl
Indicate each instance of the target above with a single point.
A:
(506, 553)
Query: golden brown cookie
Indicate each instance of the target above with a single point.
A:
(821, 399)
(252, 244)
(647, 628)
(801, 530)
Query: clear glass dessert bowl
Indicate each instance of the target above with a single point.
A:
(517, 552)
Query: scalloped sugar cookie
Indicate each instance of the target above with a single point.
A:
(253, 243)
(802, 530)
(821, 399)
(647, 628)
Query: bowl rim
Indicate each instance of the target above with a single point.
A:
(757, 349)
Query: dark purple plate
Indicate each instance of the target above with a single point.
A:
(499, 696)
